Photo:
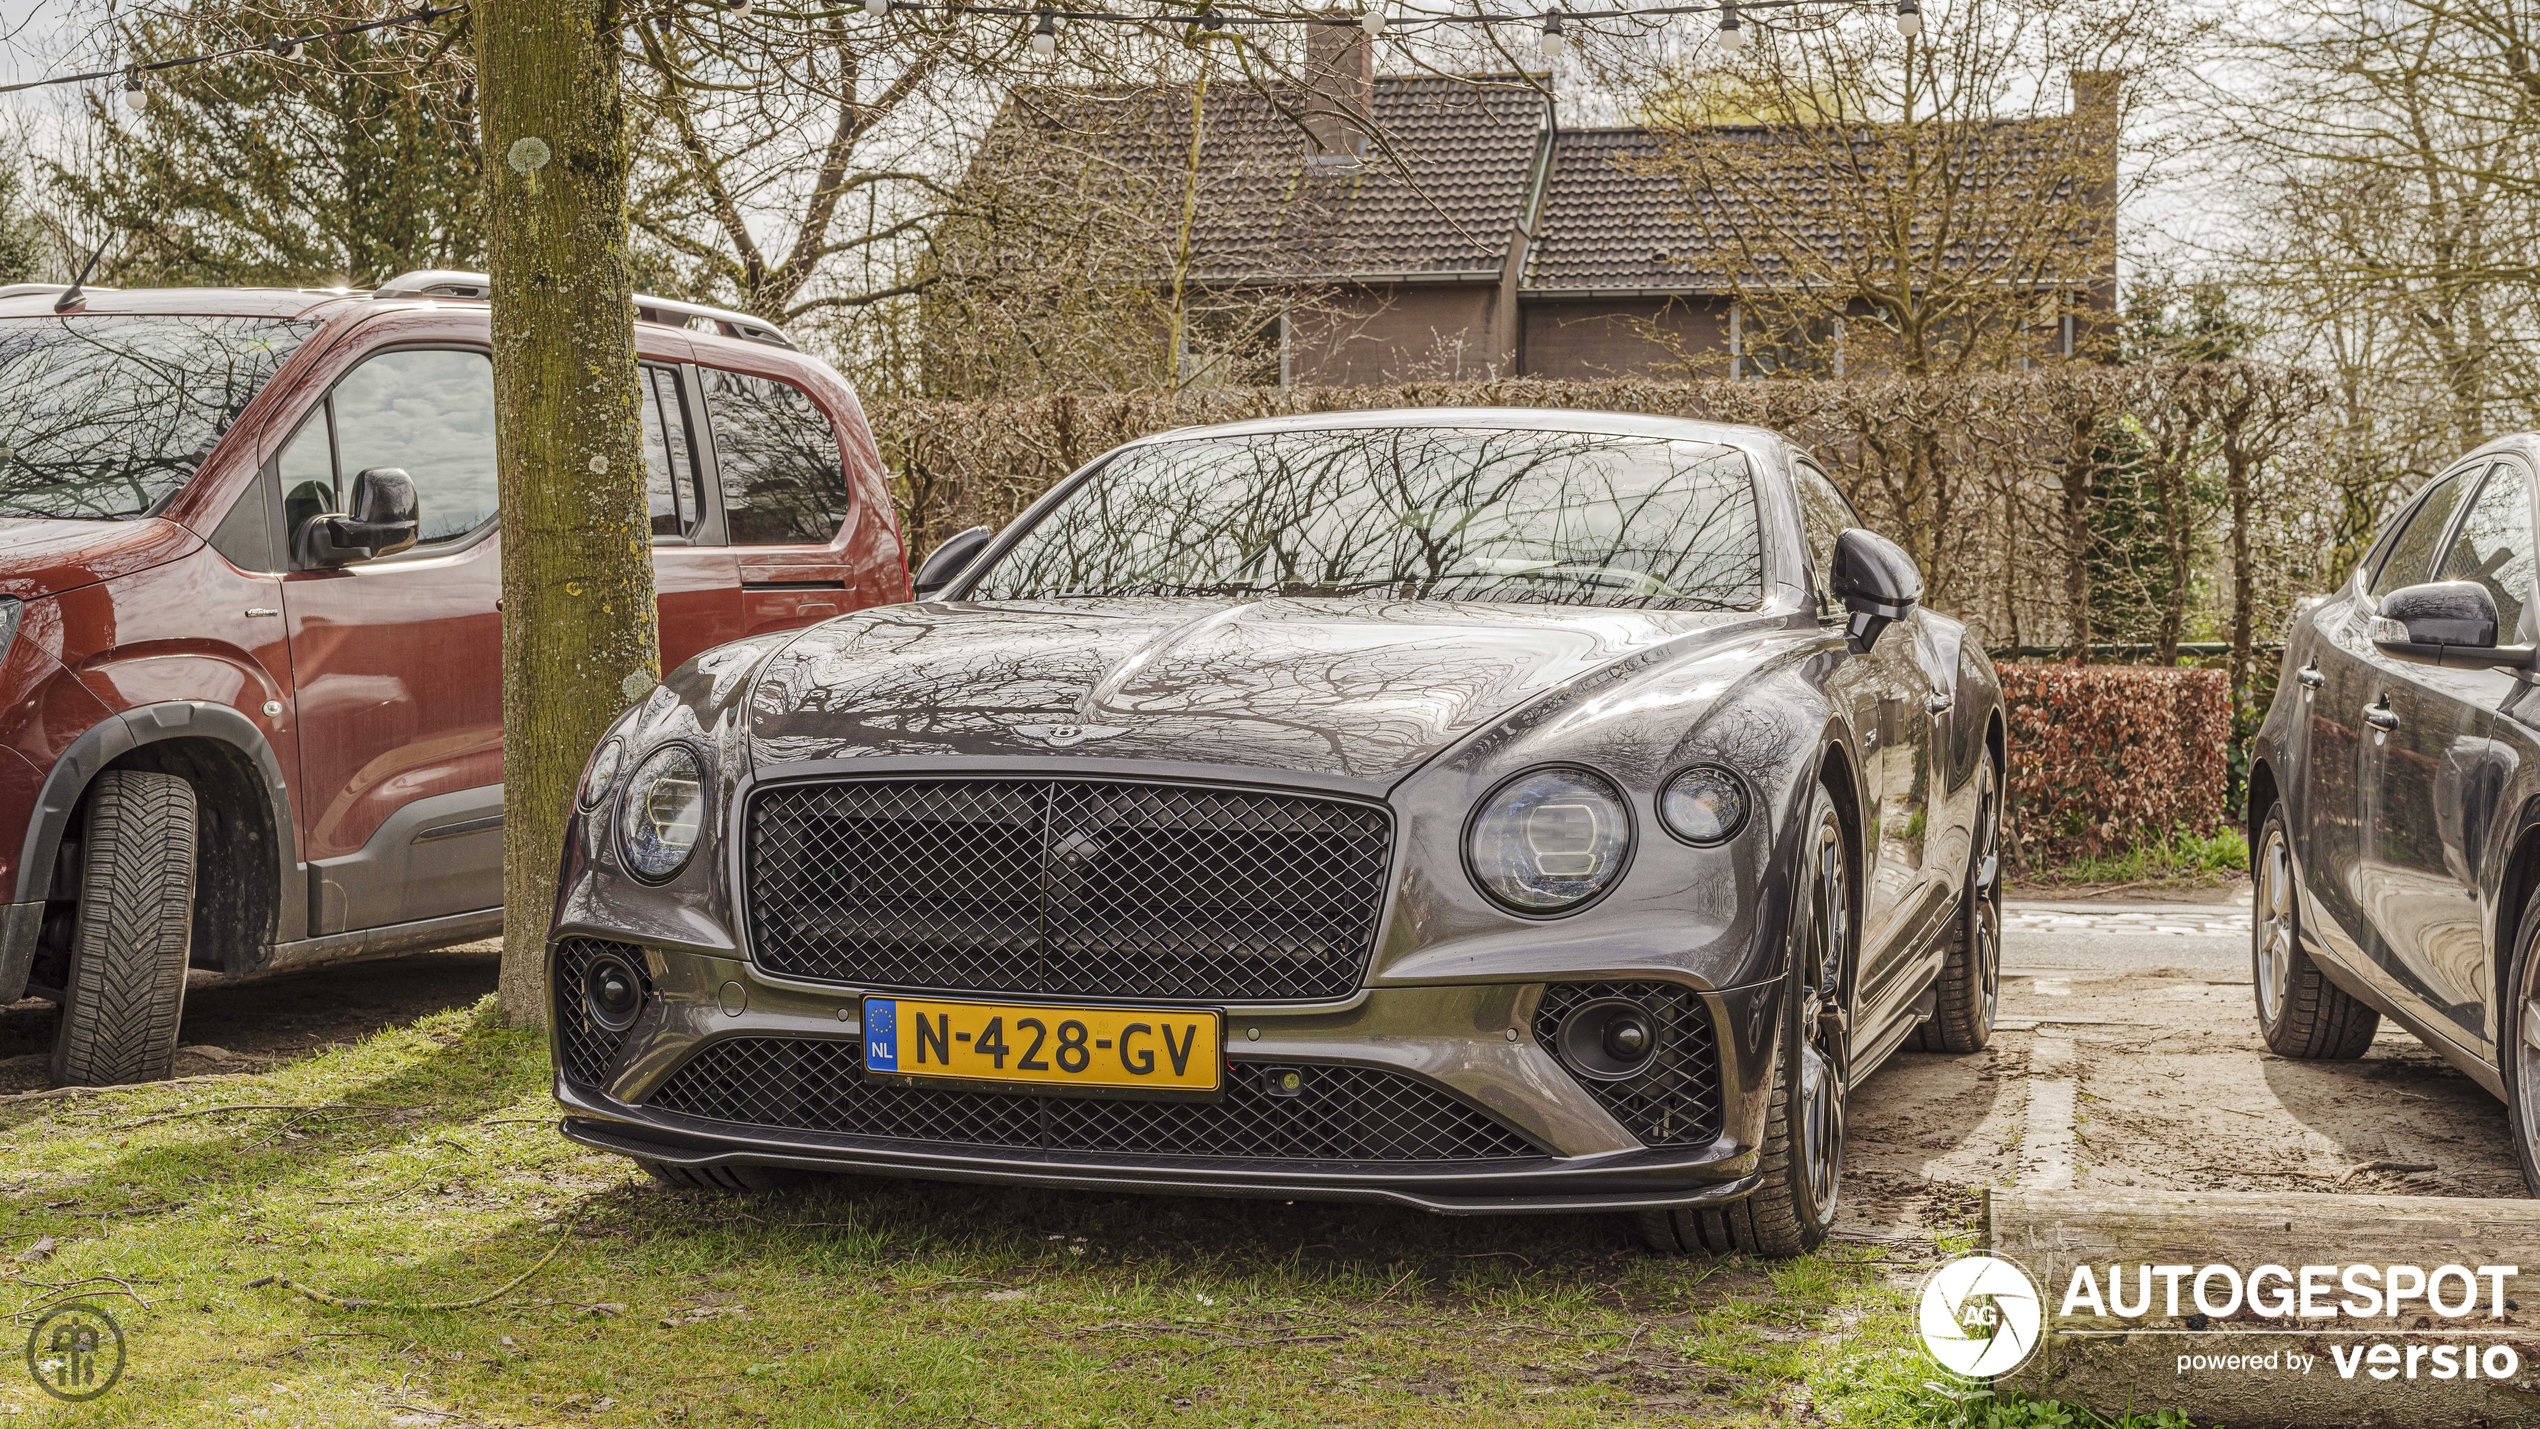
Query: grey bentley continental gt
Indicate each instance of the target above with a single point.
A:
(1485, 810)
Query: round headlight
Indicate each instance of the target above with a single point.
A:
(664, 812)
(605, 762)
(1704, 805)
(1549, 840)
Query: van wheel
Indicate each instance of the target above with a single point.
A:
(134, 929)
(1801, 1160)
(2300, 1012)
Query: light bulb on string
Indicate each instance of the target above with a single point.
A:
(135, 98)
(1732, 38)
(740, 8)
(878, 9)
(1045, 35)
(294, 50)
(1373, 22)
(1553, 41)
(1909, 18)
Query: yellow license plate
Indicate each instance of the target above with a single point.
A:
(1056, 1048)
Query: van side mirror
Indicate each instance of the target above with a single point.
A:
(949, 560)
(385, 519)
(2445, 623)
(1877, 583)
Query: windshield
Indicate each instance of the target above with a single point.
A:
(1424, 513)
(109, 416)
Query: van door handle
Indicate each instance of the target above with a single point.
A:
(2310, 676)
(2381, 716)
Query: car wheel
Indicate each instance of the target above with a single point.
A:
(1801, 1162)
(132, 932)
(1970, 987)
(2519, 1055)
(729, 1178)
(2301, 1013)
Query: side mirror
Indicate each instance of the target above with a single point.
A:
(2445, 623)
(949, 560)
(1877, 583)
(384, 520)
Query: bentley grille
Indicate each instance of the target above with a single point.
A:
(1336, 1113)
(1084, 887)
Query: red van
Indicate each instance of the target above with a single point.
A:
(235, 744)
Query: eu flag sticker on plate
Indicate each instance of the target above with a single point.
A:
(881, 1035)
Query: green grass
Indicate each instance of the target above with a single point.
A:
(421, 1165)
(2184, 858)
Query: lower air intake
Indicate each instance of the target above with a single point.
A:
(1358, 1114)
(1675, 1100)
(585, 1049)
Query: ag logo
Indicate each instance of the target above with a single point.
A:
(75, 1352)
(1980, 1316)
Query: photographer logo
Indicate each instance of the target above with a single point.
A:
(1980, 1316)
(75, 1352)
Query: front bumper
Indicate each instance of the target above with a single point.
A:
(1455, 1040)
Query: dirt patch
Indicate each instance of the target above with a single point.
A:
(2171, 1088)
(247, 1026)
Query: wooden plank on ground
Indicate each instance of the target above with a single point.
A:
(2470, 1356)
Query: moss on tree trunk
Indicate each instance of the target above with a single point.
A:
(579, 636)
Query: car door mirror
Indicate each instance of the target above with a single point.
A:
(2445, 623)
(949, 560)
(1877, 583)
(385, 518)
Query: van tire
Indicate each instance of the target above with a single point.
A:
(133, 932)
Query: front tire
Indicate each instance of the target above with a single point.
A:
(2301, 1013)
(1801, 1160)
(1969, 991)
(133, 933)
(2518, 1050)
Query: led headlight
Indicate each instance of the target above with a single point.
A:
(602, 772)
(664, 812)
(1549, 840)
(1704, 805)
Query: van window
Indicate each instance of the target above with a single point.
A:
(670, 463)
(430, 411)
(784, 480)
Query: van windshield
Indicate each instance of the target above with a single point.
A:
(106, 417)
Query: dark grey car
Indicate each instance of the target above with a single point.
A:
(2394, 810)
(1484, 810)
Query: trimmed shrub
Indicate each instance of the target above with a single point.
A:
(2106, 756)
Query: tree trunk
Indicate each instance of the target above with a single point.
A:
(579, 637)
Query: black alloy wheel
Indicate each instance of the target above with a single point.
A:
(1968, 994)
(1800, 1164)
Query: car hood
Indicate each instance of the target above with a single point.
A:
(40, 556)
(1355, 689)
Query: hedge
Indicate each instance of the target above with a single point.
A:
(2103, 756)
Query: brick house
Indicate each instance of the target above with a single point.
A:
(1449, 227)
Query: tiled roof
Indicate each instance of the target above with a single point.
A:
(1453, 186)
(1615, 218)
(1443, 200)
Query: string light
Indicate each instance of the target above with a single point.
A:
(1909, 18)
(877, 8)
(1732, 38)
(135, 98)
(293, 50)
(1373, 22)
(1553, 41)
(1045, 35)
(740, 8)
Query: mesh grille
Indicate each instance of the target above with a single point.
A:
(1082, 887)
(1341, 1114)
(1676, 1102)
(584, 1048)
